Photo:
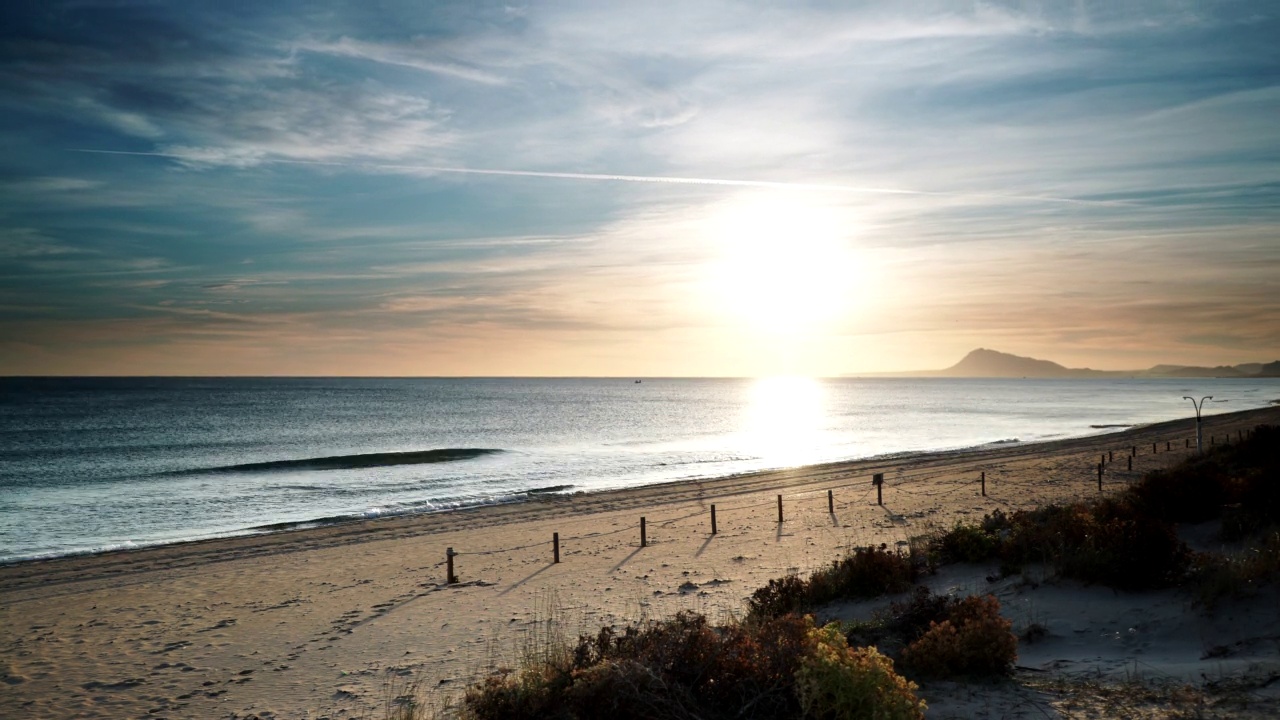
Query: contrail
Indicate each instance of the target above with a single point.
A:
(657, 179)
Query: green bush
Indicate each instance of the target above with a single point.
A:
(533, 692)
(681, 667)
(836, 682)
(974, 640)
(910, 619)
(782, 595)
(627, 690)
(1113, 542)
(863, 573)
(1245, 476)
(967, 543)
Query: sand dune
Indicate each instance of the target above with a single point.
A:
(319, 620)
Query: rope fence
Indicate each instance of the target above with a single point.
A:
(977, 481)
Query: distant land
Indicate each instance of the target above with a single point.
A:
(983, 363)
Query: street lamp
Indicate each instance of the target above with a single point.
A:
(1198, 405)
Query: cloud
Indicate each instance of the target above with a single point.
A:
(416, 55)
(1072, 174)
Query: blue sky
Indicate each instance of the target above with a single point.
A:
(668, 189)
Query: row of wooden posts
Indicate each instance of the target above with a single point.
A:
(877, 480)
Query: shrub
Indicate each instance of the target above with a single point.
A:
(912, 618)
(1216, 577)
(1116, 544)
(973, 640)
(627, 690)
(781, 596)
(1192, 491)
(836, 682)
(901, 623)
(694, 663)
(863, 573)
(967, 543)
(1242, 475)
(530, 693)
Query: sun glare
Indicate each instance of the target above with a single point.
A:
(784, 264)
(785, 419)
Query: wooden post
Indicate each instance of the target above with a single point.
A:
(1186, 442)
(1100, 466)
(644, 542)
(1130, 462)
(831, 502)
(1111, 455)
(713, 519)
(984, 483)
(1102, 459)
(1153, 448)
(1133, 451)
(449, 577)
(555, 546)
(1213, 439)
(779, 508)
(878, 481)
(1168, 445)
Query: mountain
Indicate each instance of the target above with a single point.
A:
(984, 363)
(1191, 371)
(992, 363)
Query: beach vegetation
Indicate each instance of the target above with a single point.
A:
(1130, 541)
(966, 543)
(839, 681)
(681, 667)
(685, 667)
(901, 623)
(1110, 542)
(1215, 577)
(973, 641)
(863, 573)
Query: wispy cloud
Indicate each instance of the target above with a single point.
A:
(416, 55)
(1088, 178)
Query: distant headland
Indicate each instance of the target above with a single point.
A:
(983, 363)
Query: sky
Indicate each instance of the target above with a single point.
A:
(635, 189)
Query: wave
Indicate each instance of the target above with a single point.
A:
(1111, 425)
(548, 489)
(350, 462)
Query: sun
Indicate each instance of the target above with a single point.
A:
(785, 420)
(783, 264)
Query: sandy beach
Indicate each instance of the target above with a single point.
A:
(318, 621)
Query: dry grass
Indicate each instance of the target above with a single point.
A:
(1148, 699)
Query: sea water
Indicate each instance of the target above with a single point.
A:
(94, 464)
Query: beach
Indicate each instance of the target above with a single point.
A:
(322, 621)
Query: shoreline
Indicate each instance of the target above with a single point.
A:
(321, 620)
(887, 463)
(874, 463)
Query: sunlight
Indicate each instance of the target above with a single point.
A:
(785, 419)
(785, 264)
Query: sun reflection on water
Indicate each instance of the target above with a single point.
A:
(785, 419)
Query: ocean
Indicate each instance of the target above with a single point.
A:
(91, 464)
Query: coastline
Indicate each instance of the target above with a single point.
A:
(295, 620)
(887, 462)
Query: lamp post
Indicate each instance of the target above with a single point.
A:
(1198, 406)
